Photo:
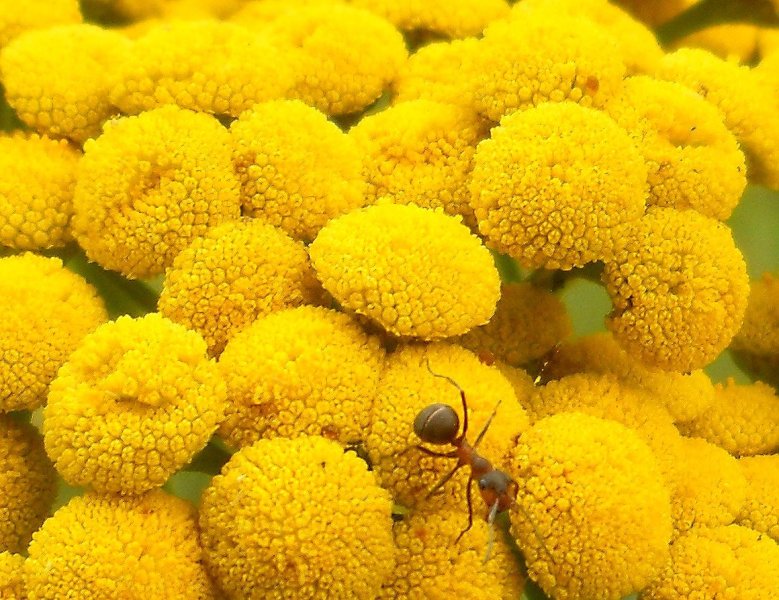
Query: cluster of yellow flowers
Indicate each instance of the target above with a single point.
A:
(346, 211)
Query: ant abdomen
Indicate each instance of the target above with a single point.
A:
(437, 424)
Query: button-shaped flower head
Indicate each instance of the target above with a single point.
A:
(297, 519)
(756, 345)
(27, 484)
(11, 577)
(133, 404)
(679, 287)
(761, 508)
(151, 184)
(554, 183)
(297, 169)
(36, 14)
(235, 273)
(416, 272)
(47, 310)
(105, 546)
(593, 517)
(306, 370)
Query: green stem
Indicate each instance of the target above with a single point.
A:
(707, 13)
(210, 459)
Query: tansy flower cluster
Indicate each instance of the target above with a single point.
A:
(299, 301)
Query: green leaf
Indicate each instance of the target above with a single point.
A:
(708, 13)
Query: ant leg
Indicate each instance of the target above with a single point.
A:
(470, 510)
(452, 454)
(462, 397)
(486, 425)
(442, 482)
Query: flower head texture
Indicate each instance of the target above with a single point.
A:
(544, 58)
(104, 546)
(11, 580)
(554, 183)
(719, 562)
(297, 169)
(306, 370)
(416, 272)
(744, 419)
(584, 531)
(36, 191)
(133, 404)
(47, 310)
(344, 57)
(432, 564)
(15, 19)
(694, 160)
(405, 388)
(761, 508)
(209, 66)
(420, 152)
(297, 519)
(27, 484)
(151, 184)
(236, 272)
(528, 322)
(756, 345)
(57, 80)
(679, 287)
(733, 41)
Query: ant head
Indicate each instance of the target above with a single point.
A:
(437, 424)
(496, 486)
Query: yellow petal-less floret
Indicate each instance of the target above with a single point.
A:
(57, 80)
(719, 562)
(554, 184)
(16, 18)
(170, 9)
(297, 519)
(433, 564)
(405, 388)
(46, 310)
(756, 345)
(761, 508)
(735, 42)
(36, 191)
(420, 152)
(744, 419)
(301, 371)
(133, 404)
(27, 484)
(747, 106)
(345, 57)
(208, 66)
(416, 272)
(546, 58)
(654, 12)
(679, 300)
(104, 546)
(297, 169)
(595, 517)
(528, 322)
(151, 184)
(684, 396)
(236, 272)
(521, 382)
(11, 580)
(694, 161)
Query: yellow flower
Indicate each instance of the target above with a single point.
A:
(655, 12)
(744, 419)
(420, 152)
(521, 382)
(36, 191)
(57, 79)
(27, 484)
(554, 184)
(150, 185)
(256, 14)
(736, 42)
(679, 287)
(133, 404)
(297, 519)
(297, 169)
(11, 581)
(415, 272)
(46, 310)
(528, 322)
(104, 546)
(595, 519)
(18, 17)
(719, 562)
(208, 66)
(756, 345)
(761, 509)
(405, 388)
(748, 107)
(694, 161)
(685, 396)
(546, 57)
(344, 57)
(432, 564)
(452, 18)
(306, 370)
